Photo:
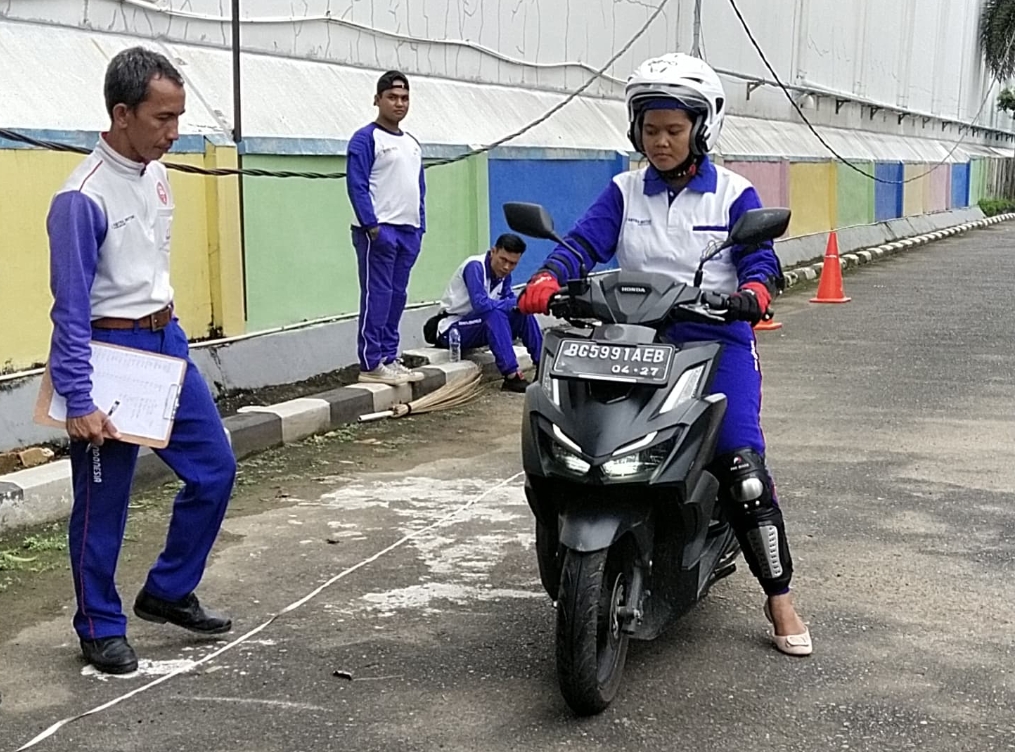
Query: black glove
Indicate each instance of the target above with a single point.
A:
(745, 306)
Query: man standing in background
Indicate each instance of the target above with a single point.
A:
(387, 191)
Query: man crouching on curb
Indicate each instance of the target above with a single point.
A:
(480, 304)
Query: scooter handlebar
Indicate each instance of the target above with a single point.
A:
(560, 304)
(716, 301)
(708, 307)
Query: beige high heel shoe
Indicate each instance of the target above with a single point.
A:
(797, 644)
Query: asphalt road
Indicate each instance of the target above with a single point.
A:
(890, 429)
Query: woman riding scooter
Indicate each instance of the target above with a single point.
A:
(656, 220)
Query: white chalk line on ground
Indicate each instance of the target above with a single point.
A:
(257, 630)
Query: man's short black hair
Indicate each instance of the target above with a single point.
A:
(130, 72)
(390, 79)
(511, 243)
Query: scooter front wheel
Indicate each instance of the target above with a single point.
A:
(591, 644)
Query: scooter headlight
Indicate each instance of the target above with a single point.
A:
(636, 463)
(565, 451)
(571, 461)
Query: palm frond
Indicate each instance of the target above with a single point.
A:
(997, 32)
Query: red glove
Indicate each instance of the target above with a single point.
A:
(761, 292)
(750, 303)
(535, 298)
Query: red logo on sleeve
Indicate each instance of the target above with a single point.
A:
(163, 196)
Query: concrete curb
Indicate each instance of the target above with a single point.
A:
(43, 494)
(811, 272)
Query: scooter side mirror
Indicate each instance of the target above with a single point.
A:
(754, 227)
(530, 219)
(757, 226)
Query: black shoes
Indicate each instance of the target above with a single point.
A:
(110, 655)
(114, 655)
(515, 383)
(186, 613)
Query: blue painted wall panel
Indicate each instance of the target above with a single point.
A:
(960, 185)
(888, 196)
(565, 187)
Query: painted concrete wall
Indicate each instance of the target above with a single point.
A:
(813, 188)
(888, 192)
(297, 261)
(770, 179)
(24, 250)
(300, 263)
(977, 181)
(960, 185)
(937, 189)
(854, 195)
(205, 249)
(298, 257)
(565, 187)
(914, 192)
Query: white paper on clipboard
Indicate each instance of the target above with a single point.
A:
(146, 386)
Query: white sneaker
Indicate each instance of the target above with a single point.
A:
(399, 367)
(383, 375)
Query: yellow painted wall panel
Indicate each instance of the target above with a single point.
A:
(189, 250)
(812, 197)
(225, 251)
(913, 192)
(28, 179)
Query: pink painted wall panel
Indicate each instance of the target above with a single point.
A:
(940, 189)
(771, 179)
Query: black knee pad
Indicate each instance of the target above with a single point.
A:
(746, 493)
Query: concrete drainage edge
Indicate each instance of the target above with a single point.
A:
(43, 494)
(802, 274)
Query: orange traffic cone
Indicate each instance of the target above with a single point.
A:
(830, 287)
(767, 326)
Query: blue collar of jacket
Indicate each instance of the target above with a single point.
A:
(493, 278)
(704, 181)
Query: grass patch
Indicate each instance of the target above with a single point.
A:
(991, 207)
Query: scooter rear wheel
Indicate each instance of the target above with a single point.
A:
(591, 644)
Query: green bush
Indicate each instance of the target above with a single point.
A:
(1006, 101)
(994, 206)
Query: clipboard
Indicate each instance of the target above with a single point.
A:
(146, 385)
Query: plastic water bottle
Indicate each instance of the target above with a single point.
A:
(455, 344)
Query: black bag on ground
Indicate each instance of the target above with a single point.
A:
(430, 328)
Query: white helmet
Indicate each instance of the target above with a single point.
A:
(689, 81)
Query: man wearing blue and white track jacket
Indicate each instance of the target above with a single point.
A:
(109, 230)
(387, 191)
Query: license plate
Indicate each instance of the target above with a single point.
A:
(637, 364)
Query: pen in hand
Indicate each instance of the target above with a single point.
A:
(109, 414)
